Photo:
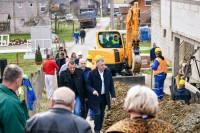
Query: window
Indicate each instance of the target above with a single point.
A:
(31, 4)
(164, 32)
(42, 7)
(20, 5)
(110, 40)
(147, 2)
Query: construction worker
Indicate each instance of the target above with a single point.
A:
(76, 36)
(159, 68)
(182, 93)
(89, 61)
(115, 42)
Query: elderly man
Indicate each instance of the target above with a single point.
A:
(74, 79)
(12, 115)
(100, 86)
(59, 119)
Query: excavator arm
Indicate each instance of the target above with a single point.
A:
(132, 33)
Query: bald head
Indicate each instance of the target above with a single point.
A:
(82, 63)
(64, 96)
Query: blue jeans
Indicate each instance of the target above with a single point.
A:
(77, 107)
(91, 114)
(76, 40)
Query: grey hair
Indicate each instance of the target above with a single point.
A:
(100, 59)
(64, 94)
(141, 100)
(12, 72)
(82, 59)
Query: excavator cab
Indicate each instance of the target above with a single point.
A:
(110, 39)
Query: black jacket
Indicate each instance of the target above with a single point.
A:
(82, 33)
(57, 120)
(94, 83)
(65, 80)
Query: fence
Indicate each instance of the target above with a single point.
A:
(38, 84)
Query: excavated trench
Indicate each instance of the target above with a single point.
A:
(185, 118)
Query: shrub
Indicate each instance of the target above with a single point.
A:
(38, 56)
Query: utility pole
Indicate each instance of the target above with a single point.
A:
(111, 15)
(101, 7)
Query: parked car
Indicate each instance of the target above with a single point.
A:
(69, 17)
(116, 13)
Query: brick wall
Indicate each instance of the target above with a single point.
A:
(142, 5)
(183, 19)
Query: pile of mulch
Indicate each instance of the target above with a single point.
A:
(185, 118)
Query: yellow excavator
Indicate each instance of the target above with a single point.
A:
(118, 47)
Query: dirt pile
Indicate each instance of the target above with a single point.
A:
(185, 118)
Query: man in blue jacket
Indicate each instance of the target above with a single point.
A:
(182, 93)
(100, 86)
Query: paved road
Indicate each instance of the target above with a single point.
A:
(90, 40)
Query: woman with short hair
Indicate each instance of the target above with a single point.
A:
(142, 105)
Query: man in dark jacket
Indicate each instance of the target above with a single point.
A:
(182, 93)
(100, 86)
(86, 70)
(60, 61)
(74, 79)
(82, 35)
(59, 119)
(152, 52)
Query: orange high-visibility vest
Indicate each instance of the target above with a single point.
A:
(161, 68)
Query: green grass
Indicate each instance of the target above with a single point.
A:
(28, 66)
(65, 31)
(107, 27)
(145, 51)
(20, 36)
(145, 44)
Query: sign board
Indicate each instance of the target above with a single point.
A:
(41, 35)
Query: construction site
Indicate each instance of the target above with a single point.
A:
(171, 25)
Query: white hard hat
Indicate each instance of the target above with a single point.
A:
(79, 53)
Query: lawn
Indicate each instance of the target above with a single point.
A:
(66, 31)
(145, 51)
(145, 44)
(28, 66)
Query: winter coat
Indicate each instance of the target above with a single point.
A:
(94, 83)
(82, 34)
(65, 80)
(57, 120)
(12, 114)
(140, 125)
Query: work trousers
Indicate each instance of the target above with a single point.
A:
(49, 83)
(82, 40)
(99, 115)
(159, 85)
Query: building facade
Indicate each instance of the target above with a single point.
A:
(176, 30)
(24, 14)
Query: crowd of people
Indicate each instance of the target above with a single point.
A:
(83, 86)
